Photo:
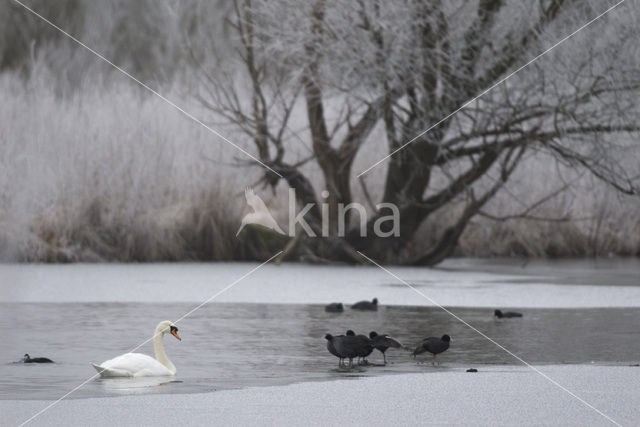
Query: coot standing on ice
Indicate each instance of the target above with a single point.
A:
(509, 314)
(363, 346)
(383, 342)
(352, 345)
(331, 345)
(366, 305)
(27, 359)
(332, 348)
(433, 345)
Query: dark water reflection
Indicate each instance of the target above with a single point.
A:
(236, 345)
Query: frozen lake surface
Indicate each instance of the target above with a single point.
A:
(267, 330)
(455, 283)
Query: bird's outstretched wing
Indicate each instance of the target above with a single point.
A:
(388, 341)
(260, 215)
(254, 201)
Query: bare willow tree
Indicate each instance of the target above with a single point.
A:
(406, 65)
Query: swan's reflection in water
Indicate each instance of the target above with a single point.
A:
(146, 385)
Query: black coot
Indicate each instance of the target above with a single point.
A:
(352, 345)
(27, 359)
(331, 345)
(366, 305)
(334, 307)
(433, 345)
(332, 349)
(383, 342)
(364, 347)
(509, 314)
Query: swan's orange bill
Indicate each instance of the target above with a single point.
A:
(175, 334)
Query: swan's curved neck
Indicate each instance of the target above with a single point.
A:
(161, 356)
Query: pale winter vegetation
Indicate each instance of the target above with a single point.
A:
(94, 168)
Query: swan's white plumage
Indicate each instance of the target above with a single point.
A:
(141, 365)
(132, 365)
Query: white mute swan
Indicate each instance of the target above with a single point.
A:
(141, 365)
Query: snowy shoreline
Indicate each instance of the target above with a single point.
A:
(496, 395)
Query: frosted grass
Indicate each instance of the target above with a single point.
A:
(109, 172)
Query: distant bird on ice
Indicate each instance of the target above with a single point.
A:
(334, 307)
(509, 314)
(366, 305)
(260, 214)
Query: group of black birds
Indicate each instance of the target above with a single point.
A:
(351, 345)
(337, 307)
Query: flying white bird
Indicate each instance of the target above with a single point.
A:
(260, 214)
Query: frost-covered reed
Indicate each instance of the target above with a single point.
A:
(109, 172)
